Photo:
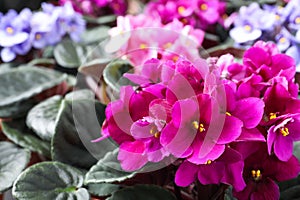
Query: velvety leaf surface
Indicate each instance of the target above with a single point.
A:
(17, 132)
(79, 122)
(12, 161)
(145, 192)
(22, 83)
(42, 117)
(107, 170)
(50, 180)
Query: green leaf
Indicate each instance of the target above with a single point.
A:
(103, 189)
(101, 20)
(17, 132)
(94, 68)
(50, 180)
(94, 35)
(296, 150)
(69, 55)
(107, 170)
(41, 118)
(145, 192)
(113, 75)
(18, 109)
(79, 122)
(22, 83)
(12, 161)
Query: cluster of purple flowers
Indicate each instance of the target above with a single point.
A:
(20, 32)
(273, 23)
(221, 119)
(98, 7)
(198, 13)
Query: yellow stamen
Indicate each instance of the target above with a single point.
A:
(198, 126)
(284, 131)
(247, 28)
(167, 45)
(157, 134)
(228, 113)
(184, 20)
(277, 17)
(201, 128)
(203, 6)
(181, 10)
(297, 20)
(282, 40)
(10, 30)
(208, 162)
(175, 58)
(195, 125)
(224, 16)
(38, 36)
(143, 46)
(256, 174)
(272, 116)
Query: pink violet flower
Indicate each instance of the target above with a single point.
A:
(262, 170)
(228, 169)
(283, 119)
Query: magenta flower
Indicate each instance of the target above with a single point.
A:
(228, 169)
(209, 12)
(261, 171)
(261, 61)
(188, 130)
(284, 121)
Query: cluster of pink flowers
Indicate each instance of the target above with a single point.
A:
(226, 122)
(198, 13)
(142, 37)
(98, 7)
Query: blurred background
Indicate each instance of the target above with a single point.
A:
(18, 5)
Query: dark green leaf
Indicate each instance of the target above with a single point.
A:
(95, 34)
(18, 109)
(17, 132)
(22, 83)
(41, 118)
(50, 180)
(69, 55)
(40, 61)
(12, 161)
(291, 193)
(113, 74)
(103, 189)
(79, 122)
(107, 170)
(296, 150)
(144, 192)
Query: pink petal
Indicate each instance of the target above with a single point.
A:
(251, 135)
(270, 139)
(185, 111)
(231, 131)
(131, 155)
(186, 174)
(250, 111)
(211, 174)
(283, 147)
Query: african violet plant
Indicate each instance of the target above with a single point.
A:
(146, 117)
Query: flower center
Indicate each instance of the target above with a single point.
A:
(297, 20)
(208, 162)
(256, 174)
(155, 132)
(167, 45)
(181, 10)
(198, 126)
(277, 17)
(143, 46)
(284, 131)
(247, 28)
(272, 115)
(282, 40)
(38, 36)
(228, 113)
(10, 30)
(203, 7)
